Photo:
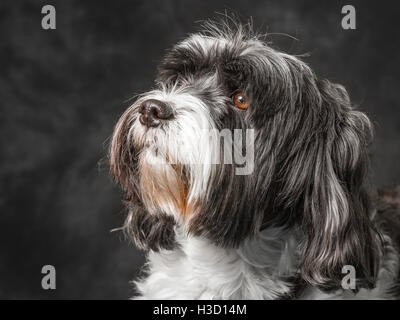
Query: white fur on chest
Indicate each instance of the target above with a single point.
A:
(201, 270)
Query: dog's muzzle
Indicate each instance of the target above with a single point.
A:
(153, 112)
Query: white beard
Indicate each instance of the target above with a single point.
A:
(180, 143)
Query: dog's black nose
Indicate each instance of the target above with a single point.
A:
(153, 111)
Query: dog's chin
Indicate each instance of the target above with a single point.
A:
(163, 185)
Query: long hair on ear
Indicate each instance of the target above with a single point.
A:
(336, 204)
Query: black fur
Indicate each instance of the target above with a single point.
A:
(310, 158)
(151, 231)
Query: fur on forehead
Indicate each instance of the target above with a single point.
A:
(243, 60)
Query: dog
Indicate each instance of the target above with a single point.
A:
(302, 223)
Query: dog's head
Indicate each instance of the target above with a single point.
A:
(305, 145)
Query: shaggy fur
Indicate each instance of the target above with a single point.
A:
(284, 231)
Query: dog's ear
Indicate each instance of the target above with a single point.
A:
(336, 218)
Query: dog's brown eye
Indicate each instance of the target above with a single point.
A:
(241, 101)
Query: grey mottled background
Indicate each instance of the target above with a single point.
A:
(62, 91)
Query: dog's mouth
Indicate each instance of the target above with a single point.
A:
(150, 144)
(146, 139)
(164, 179)
(164, 185)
